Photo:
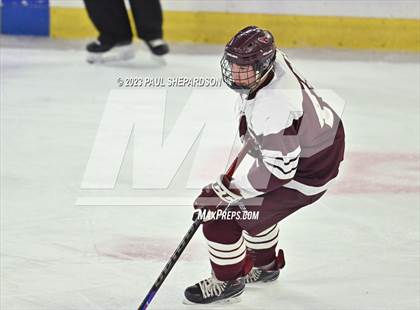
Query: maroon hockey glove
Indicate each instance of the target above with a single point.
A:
(217, 195)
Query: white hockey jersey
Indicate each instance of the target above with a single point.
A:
(298, 137)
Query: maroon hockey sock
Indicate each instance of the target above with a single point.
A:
(227, 272)
(263, 257)
(232, 272)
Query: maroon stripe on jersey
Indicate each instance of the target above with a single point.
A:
(289, 162)
(259, 176)
(262, 179)
(279, 168)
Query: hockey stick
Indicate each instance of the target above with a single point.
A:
(187, 238)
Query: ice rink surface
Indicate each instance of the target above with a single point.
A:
(358, 248)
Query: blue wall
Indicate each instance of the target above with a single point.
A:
(25, 17)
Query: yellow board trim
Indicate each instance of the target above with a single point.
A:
(289, 30)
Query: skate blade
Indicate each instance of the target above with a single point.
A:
(119, 53)
(224, 302)
(158, 60)
(261, 284)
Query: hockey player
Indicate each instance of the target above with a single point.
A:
(297, 146)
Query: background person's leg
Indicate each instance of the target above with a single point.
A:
(110, 19)
(148, 18)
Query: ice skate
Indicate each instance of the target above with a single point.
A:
(158, 47)
(212, 290)
(268, 273)
(101, 53)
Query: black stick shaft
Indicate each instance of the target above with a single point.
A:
(170, 264)
(187, 238)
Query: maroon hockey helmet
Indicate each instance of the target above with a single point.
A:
(248, 57)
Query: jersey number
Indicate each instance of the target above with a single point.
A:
(325, 115)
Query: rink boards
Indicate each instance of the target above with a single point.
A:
(351, 24)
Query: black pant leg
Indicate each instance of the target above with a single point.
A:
(110, 19)
(148, 17)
